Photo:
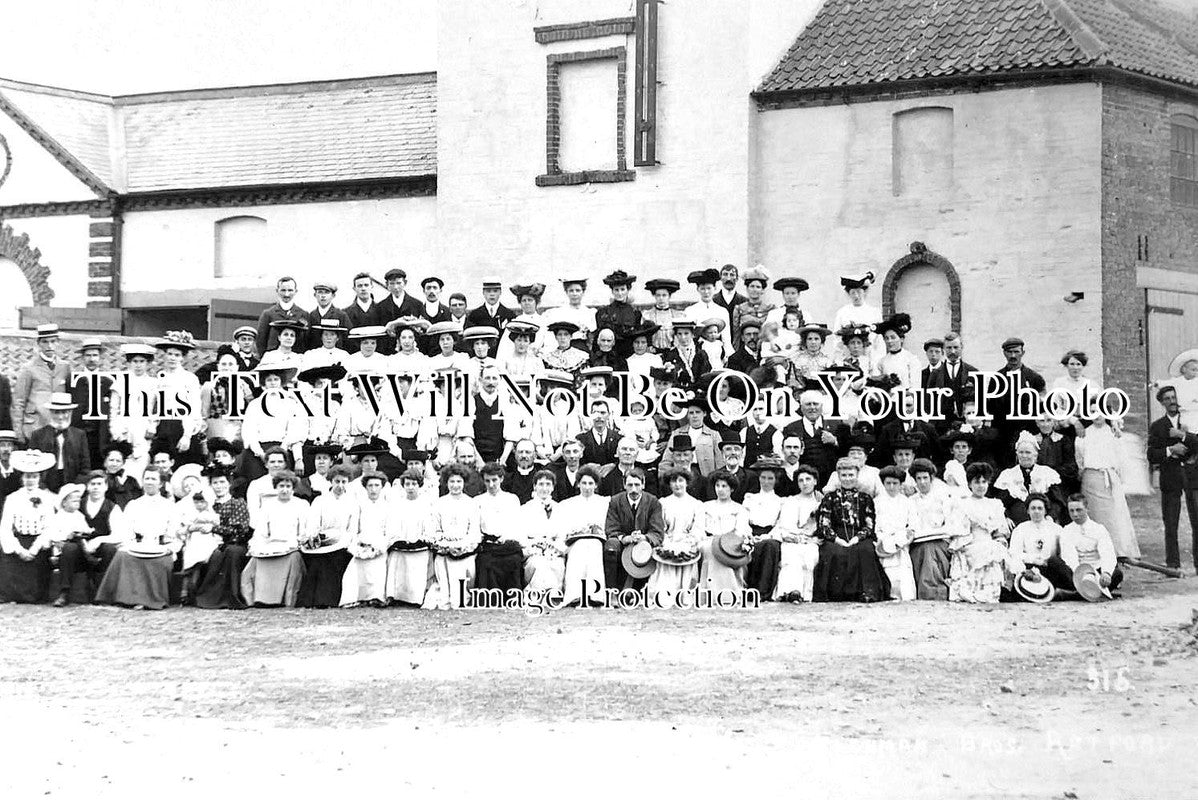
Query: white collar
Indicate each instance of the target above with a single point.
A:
(286, 306)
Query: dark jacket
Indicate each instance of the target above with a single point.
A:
(268, 337)
(314, 318)
(360, 319)
(743, 361)
(595, 453)
(1177, 474)
(480, 316)
(389, 310)
(648, 518)
(613, 482)
(75, 457)
(960, 385)
(815, 452)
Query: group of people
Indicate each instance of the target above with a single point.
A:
(187, 490)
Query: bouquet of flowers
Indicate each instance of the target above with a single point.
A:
(678, 549)
(587, 532)
(548, 547)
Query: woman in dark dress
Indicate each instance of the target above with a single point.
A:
(848, 568)
(222, 578)
(25, 531)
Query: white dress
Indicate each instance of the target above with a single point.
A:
(796, 576)
(544, 546)
(684, 517)
(1100, 458)
(584, 557)
(455, 526)
(892, 523)
(365, 578)
(718, 519)
(409, 572)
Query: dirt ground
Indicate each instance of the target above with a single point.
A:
(914, 700)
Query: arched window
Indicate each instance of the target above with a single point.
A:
(240, 247)
(922, 151)
(15, 291)
(1183, 161)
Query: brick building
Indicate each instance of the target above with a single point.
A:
(1004, 166)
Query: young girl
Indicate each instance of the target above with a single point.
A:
(981, 563)
(893, 526)
(960, 445)
(641, 360)
(713, 343)
(780, 346)
(800, 548)
(812, 359)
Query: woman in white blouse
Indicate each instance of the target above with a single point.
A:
(678, 557)
(897, 360)
(331, 518)
(407, 358)
(455, 526)
(140, 572)
(25, 531)
(1100, 459)
(181, 423)
(275, 570)
(365, 579)
(408, 534)
(720, 516)
(273, 419)
(544, 537)
(583, 519)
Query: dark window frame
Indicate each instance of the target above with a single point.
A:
(1183, 160)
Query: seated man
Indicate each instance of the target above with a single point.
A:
(633, 516)
(1084, 541)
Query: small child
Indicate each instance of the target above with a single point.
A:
(800, 549)
(780, 343)
(195, 530)
(712, 344)
(961, 447)
(894, 533)
(69, 523)
(644, 430)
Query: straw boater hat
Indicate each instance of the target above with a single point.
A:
(663, 558)
(417, 325)
(91, 343)
(274, 363)
(183, 473)
(176, 340)
(47, 330)
(729, 550)
(1087, 584)
(480, 332)
(438, 328)
(331, 324)
(719, 323)
(8, 436)
(245, 330)
(1034, 587)
(61, 401)
(31, 461)
(135, 349)
(638, 560)
(368, 332)
(1180, 360)
(556, 377)
(68, 490)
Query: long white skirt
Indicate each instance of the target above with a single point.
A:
(669, 580)
(901, 574)
(199, 548)
(451, 576)
(544, 573)
(715, 576)
(1108, 506)
(365, 579)
(797, 572)
(409, 575)
(584, 567)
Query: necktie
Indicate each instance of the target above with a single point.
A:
(548, 511)
(60, 437)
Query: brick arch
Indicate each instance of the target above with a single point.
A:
(920, 254)
(16, 247)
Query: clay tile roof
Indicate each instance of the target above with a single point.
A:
(871, 42)
(331, 131)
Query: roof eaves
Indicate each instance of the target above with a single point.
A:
(60, 153)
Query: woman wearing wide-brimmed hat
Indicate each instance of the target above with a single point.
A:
(620, 316)
(221, 586)
(858, 311)
(273, 418)
(290, 334)
(367, 358)
(177, 430)
(25, 532)
(408, 358)
(216, 397)
(136, 425)
(140, 572)
(565, 357)
(811, 359)
(443, 338)
(529, 297)
(328, 350)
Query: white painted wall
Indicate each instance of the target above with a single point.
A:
(1020, 223)
(36, 176)
(175, 249)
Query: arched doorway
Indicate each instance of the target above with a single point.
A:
(926, 286)
(14, 293)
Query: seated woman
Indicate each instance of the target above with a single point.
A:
(800, 548)
(499, 563)
(195, 527)
(455, 527)
(544, 537)
(221, 587)
(981, 563)
(276, 569)
(140, 573)
(1036, 543)
(584, 518)
(566, 357)
(1014, 484)
(272, 419)
(25, 531)
(848, 568)
(764, 508)
(893, 528)
(723, 516)
(409, 557)
(331, 518)
(678, 556)
(85, 557)
(365, 579)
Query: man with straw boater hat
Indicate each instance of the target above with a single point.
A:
(41, 375)
(68, 445)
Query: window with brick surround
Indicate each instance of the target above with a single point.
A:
(586, 100)
(1183, 161)
(240, 247)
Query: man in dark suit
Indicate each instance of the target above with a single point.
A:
(68, 445)
(1174, 451)
(744, 482)
(1008, 429)
(363, 311)
(566, 471)
(933, 350)
(820, 437)
(952, 373)
(519, 480)
(633, 516)
(613, 482)
(726, 295)
(600, 442)
(491, 313)
(82, 382)
(396, 304)
(324, 292)
(748, 355)
(921, 432)
(283, 309)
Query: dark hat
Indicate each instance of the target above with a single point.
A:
(814, 327)
(862, 439)
(952, 437)
(124, 448)
(620, 278)
(933, 342)
(903, 443)
(395, 272)
(333, 372)
(849, 331)
(899, 323)
(646, 330)
(845, 368)
(328, 448)
(860, 280)
(663, 374)
(432, 279)
(373, 447)
(216, 443)
(562, 325)
(1014, 341)
(729, 549)
(767, 463)
(532, 290)
(750, 322)
(797, 283)
(217, 471)
(684, 324)
(730, 442)
(668, 284)
(682, 441)
(700, 276)
(292, 324)
(412, 454)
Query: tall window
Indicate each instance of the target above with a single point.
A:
(922, 151)
(1183, 161)
(240, 247)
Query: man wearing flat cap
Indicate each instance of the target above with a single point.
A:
(398, 303)
(42, 375)
(756, 280)
(283, 309)
(324, 292)
(492, 313)
(933, 351)
(1008, 430)
(619, 315)
(91, 352)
